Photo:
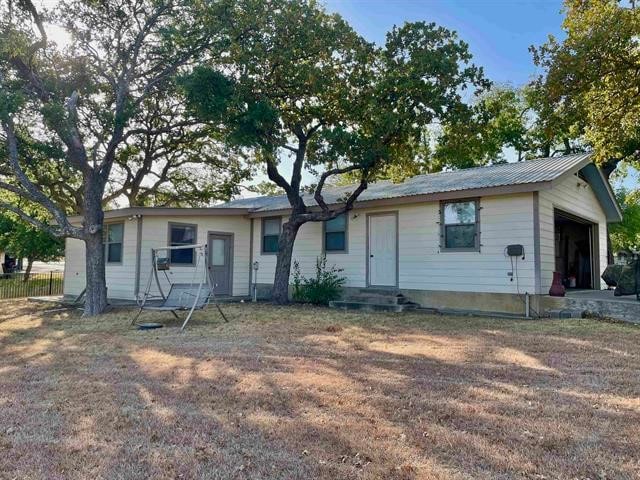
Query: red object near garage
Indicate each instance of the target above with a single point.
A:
(557, 289)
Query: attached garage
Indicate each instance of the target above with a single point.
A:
(575, 245)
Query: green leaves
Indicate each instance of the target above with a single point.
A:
(23, 240)
(243, 120)
(592, 83)
(209, 93)
(626, 234)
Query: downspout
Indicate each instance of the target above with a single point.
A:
(537, 260)
(136, 288)
(537, 256)
(251, 279)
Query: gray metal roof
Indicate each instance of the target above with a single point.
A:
(519, 173)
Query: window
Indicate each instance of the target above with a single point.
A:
(335, 234)
(113, 234)
(182, 234)
(270, 234)
(459, 226)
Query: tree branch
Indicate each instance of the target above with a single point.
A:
(13, 189)
(296, 174)
(33, 192)
(27, 218)
(274, 176)
(317, 195)
(326, 213)
(29, 7)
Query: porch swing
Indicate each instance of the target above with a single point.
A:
(188, 297)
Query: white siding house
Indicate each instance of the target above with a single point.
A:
(440, 239)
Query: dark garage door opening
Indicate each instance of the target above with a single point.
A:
(574, 244)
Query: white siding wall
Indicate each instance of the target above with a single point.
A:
(503, 220)
(155, 233)
(574, 199)
(119, 277)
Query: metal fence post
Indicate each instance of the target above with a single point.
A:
(50, 282)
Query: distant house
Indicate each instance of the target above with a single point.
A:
(478, 238)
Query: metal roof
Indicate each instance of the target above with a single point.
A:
(519, 173)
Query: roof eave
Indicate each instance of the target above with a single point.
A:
(166, 211)
(603, 191)
(424, 198)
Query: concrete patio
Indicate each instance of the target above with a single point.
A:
(596, 303)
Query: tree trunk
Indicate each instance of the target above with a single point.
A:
(280, 293)
(96, 287)
(27, 272)
(96, 293)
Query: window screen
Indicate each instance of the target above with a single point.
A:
(460, 225)
(182, 235)
(335, 234)
(270, 234)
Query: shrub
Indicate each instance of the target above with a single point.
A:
(320, 290)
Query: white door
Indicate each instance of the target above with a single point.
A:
(383, 238)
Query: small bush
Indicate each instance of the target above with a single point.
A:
(320, 290)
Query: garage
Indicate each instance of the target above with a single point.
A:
(575, 242)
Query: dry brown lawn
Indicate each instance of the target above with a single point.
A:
(305, 393)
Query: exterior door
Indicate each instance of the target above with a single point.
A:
(220, 262)
(383, 250)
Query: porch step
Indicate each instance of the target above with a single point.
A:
(377, 300)
(371, 307)
(380, 291)
(565, 313)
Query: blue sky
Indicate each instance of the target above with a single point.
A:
(499, 32)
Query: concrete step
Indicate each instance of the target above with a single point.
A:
(380, 291)
(371, 307)
(377, 298)
(565, 313)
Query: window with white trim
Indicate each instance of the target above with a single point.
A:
(271, 228)
(335, 234)
(182, 234)
(113, 237)
(459, 222)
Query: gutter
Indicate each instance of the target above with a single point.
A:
(166, 211)
(251, 279)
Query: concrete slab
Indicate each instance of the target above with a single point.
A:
(606, 295)
(595, 303)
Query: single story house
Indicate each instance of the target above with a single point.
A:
(440, 239)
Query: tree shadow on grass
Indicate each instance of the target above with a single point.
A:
(275, 395)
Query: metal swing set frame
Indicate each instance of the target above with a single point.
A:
(181, 296)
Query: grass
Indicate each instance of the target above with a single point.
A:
(302, 393)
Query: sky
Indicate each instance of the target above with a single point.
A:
(499, 32)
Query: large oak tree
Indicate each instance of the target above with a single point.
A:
(591, 79)
(305, 86)
(78, 122)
